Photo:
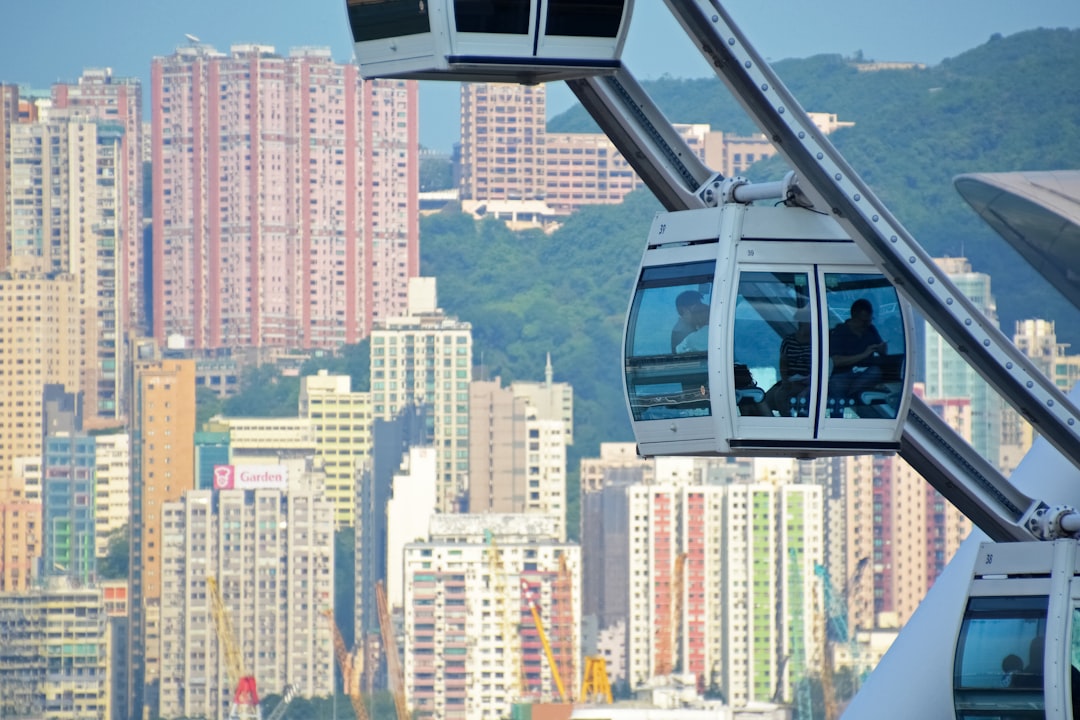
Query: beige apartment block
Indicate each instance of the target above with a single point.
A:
(56, 647)
(162, 469)
(342, 422)
(40, 343)
(502, 141)
(616, 459)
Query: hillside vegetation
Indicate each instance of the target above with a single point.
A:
(1008, 105)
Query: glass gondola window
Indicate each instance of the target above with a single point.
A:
(866, 346)
(584, 18)
(503, 17)
(998, 670)
(378, 19)
(774, 345)
(667, 359)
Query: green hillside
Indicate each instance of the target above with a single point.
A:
(1011, 104)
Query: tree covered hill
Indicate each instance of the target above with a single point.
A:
(1010, 104)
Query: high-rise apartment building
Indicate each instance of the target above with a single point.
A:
(425, 357)
(502, 141)
(271, 552)
(472, 647)
(512, 166)
(517, 459)
(115, 105)
(112, 508)
(62, 186)
(900, 531)
(948, 375)
(285, 195)
(68, 494)
(55, 654)
(618, 464)
(402, 461)
(40, 343)
(342, 422)
(552, 400)
(162, 469)
(721, 583)
(1038, 340)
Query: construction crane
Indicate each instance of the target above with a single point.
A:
(562, 621)
(245, 702)
(350, 678)
(501, 599)
(286, 698)
(393, 660)
(531, 601)
(595, 686)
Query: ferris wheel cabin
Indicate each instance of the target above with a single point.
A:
(521, 41)
(759, 330)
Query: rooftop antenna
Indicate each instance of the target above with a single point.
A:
(192, 39)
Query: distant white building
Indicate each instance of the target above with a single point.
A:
(271, 552)
(472, 648)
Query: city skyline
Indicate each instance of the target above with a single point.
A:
(59, 42)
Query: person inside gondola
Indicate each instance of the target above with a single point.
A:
(788, 397)
(691, 331)
(854, 346)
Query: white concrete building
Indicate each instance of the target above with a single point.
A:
(426, 357)
(472, 648)
(113, 487)
(272, 554)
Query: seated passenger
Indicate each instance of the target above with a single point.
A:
(691, 331)
(789, 395)
(853, 346)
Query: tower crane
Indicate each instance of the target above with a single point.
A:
(527, 594)
(393, 660)
(595, 686)
(245, 702)
(350, 677)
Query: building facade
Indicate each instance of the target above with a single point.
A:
(472, 647)
(285, 191)
(162, 469)
(342, 422)
(115, 103)
(517, 459)
(721, 584)
(425, 357)
(271, 553)
(948, 375)
(55, 654)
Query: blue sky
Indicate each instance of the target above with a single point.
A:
(50, 40)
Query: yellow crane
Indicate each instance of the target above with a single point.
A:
(393, 660)
(595, 686)
(245, 703)
(544, 640)
(350, 678)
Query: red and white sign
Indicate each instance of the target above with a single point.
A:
(224, 477)
(251, 477)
